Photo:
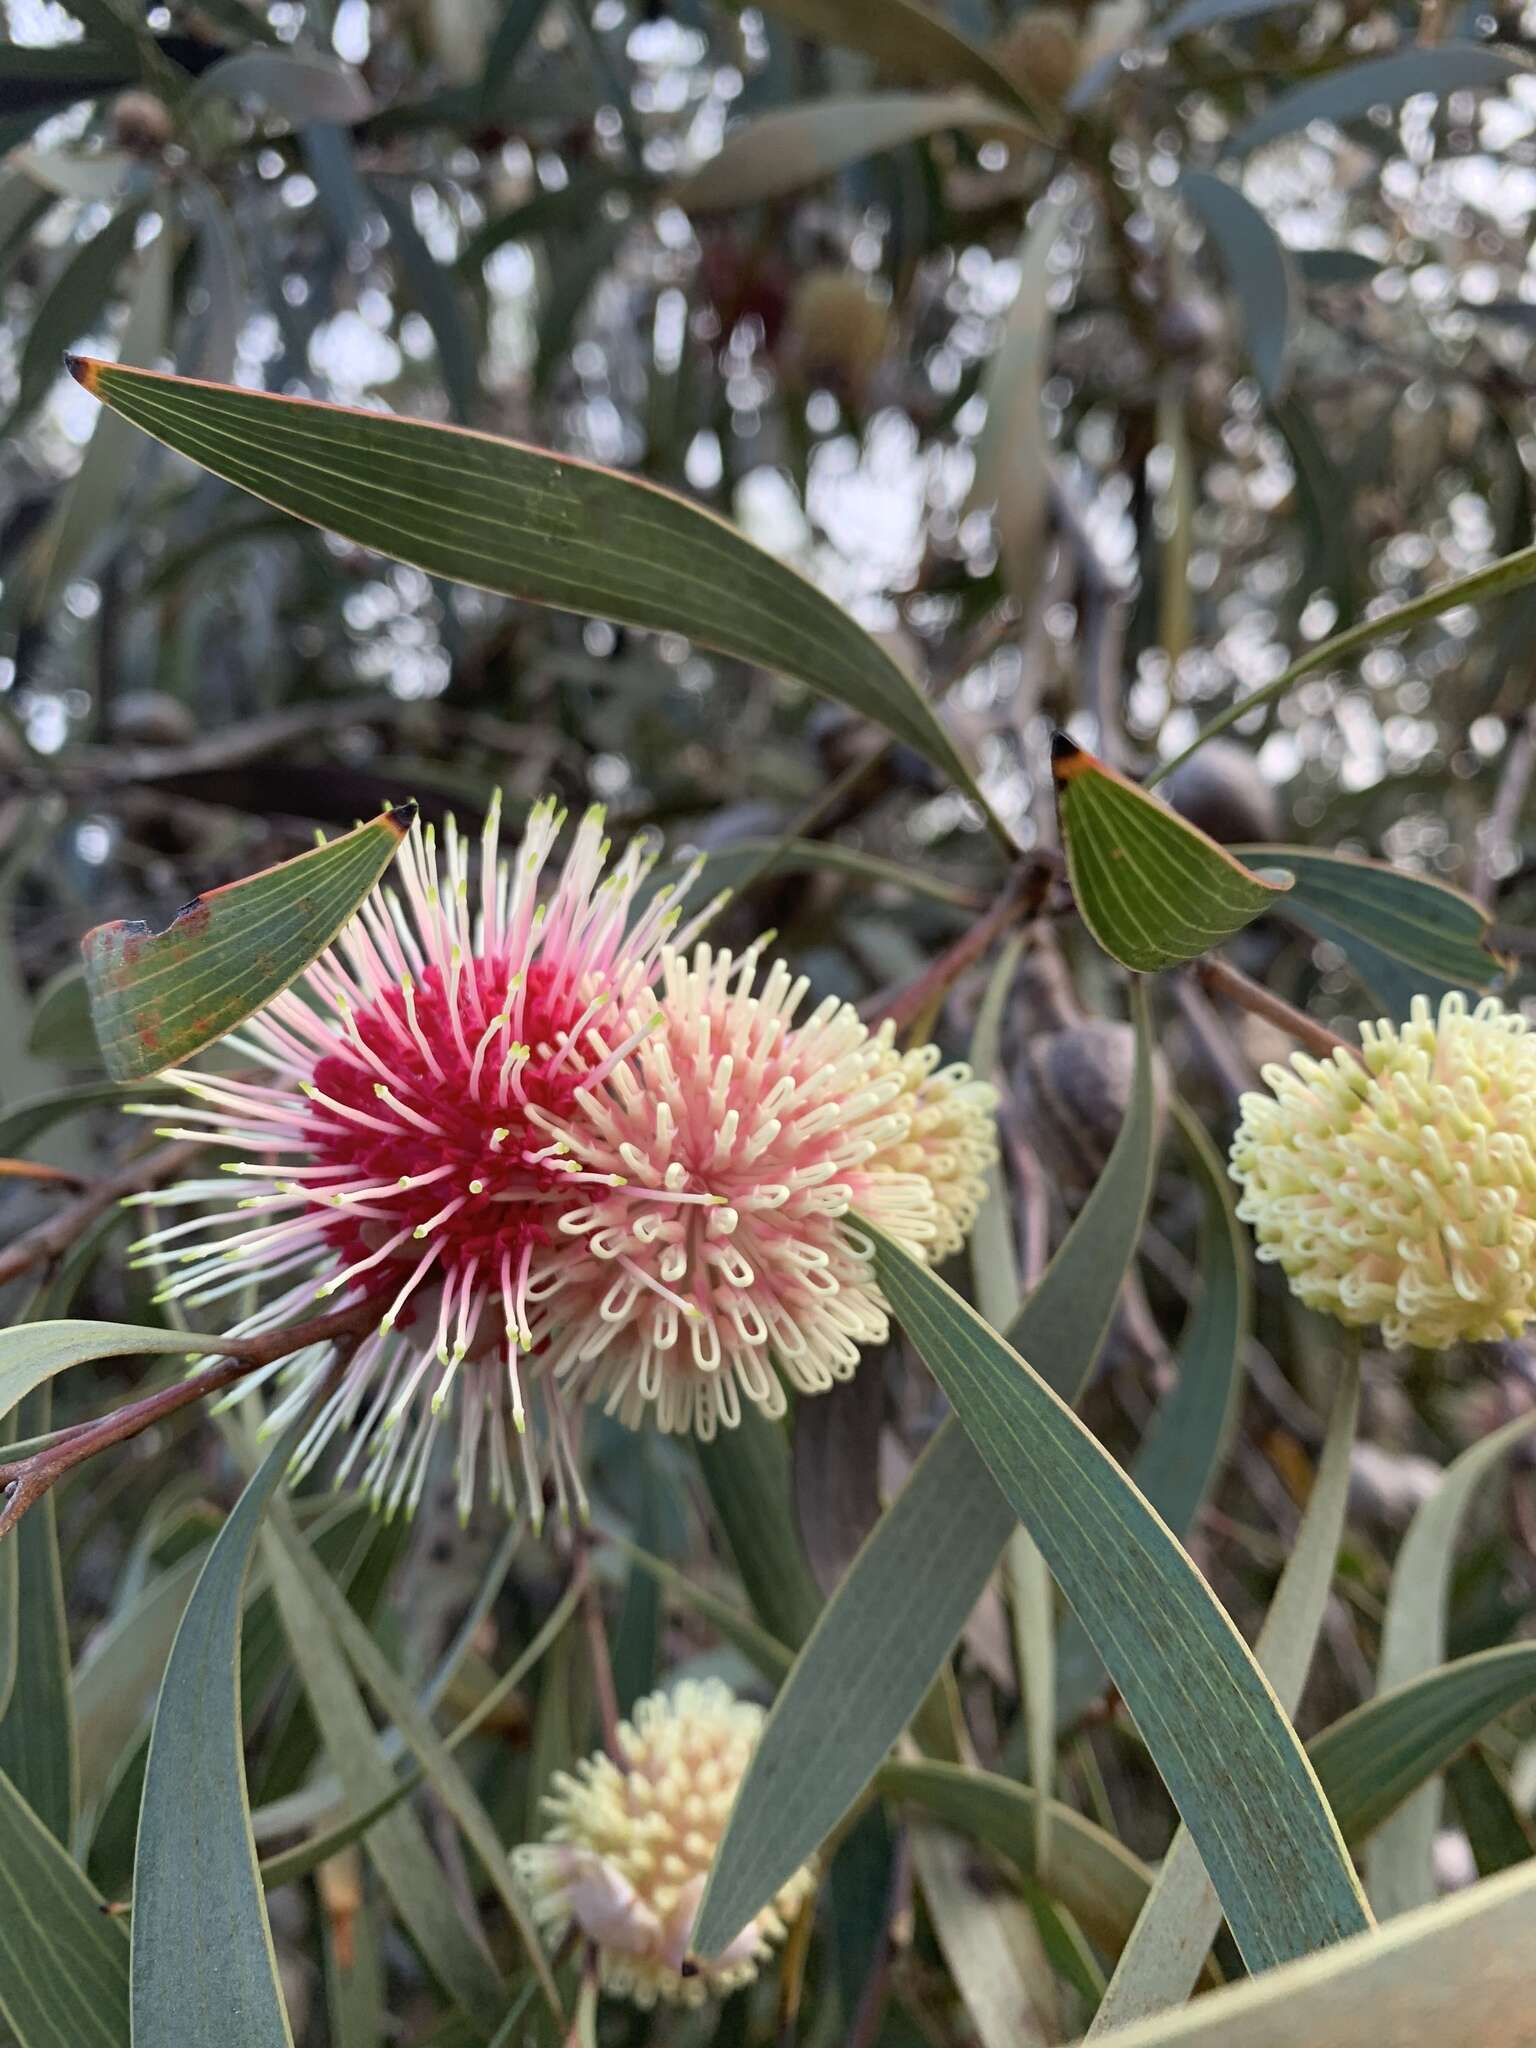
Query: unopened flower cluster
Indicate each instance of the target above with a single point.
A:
(631, 1842)
(567, 1148)
(1399, 1188)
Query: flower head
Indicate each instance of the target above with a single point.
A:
(552, 1148)
(725, 1152)
(404, 1145)
(1400, 1188)
(631, 1843)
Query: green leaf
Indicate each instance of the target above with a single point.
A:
(797, 145)
(747, 1471)
(302, 1583)
(1152, 888)
(906, 37)
(63, 1960)
(891, 1624)
(116, 1682)
(434, 292)
(203, 1966)
(34, 1352)
(1162, 1961)
(10, 1593)
(1374, 1758)
(1198, 14)
(1398, 1868)
(1185, 1443)
(28, 1120)
(1462, 1971)
(1095, 1877)
(1498, 579)
(1404, 934)
(1012, 450)
(93, 500)
(1257, 269)
(37, 1735)
(1346, 95)
(71, 308)
(1224, 1748)
(1499, 1836)
(160, 997)
(293, 1864)
(534, 525)
(61, 1025)
(397, 1842)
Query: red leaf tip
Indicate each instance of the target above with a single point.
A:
(85, 370)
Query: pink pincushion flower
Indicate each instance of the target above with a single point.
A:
(404, 1148)
(553, 1149)
(725, 1152)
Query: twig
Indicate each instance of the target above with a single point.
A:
(51, 1239)
(1221, 980)
(26, 1480)
(34, 1169)
(1022, 897)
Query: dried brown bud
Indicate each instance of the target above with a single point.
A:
(1042, 53)
(142, 123)
(837, 334)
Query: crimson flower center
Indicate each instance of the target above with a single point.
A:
(433, 1101)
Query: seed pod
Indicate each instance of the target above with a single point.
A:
(1221, 790)
(142, 123)
(1042, 54)
(1075, 1088)
(837, 335)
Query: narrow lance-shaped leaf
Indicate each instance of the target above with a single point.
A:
(1379, 82)
(1374, 1758)
(1012, 451)
(1185, 1443)
(1399, 1869)
(894, 1620)
(203, 1966)
(63, 1960)
(906, 37)
(1152, 888)
(1498, 579)
(159, 997)
(34, 1352)
(1162, 1960)
(793, 146)
(37, 1735)
(1404, 934)
(529, 524)
(1460, 1971)
(1256, 266)
(1213, 1726)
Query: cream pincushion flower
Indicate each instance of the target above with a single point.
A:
(1400, 1189)
(632, 1841)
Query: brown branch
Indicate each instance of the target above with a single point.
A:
(51, 1239)
(1218, 979)
(26, 1480)
(1022, 898)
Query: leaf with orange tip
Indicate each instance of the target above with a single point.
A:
(157, 998)
(1153, 890)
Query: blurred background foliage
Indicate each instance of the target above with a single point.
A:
(1235, 370)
